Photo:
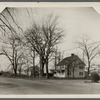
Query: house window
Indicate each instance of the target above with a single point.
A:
(62, 72)
(81, 73)
(80, 67)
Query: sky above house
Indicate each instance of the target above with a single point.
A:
(75, 21)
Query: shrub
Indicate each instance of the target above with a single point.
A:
(94, 77)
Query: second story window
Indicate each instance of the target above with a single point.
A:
(80, 67)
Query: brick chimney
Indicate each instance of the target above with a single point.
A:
(72, 54)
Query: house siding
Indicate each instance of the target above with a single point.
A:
(76, 73)
(71, 62)
(60, 75)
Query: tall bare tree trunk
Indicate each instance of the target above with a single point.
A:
(34, 64)
(20, 70)
(41, 67)
(47, 72)
(68, 72)
(73, 73)
(88, 69)
(40, 75)
(15, 72)
(56, 58)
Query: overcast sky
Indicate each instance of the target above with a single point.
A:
(74, 21)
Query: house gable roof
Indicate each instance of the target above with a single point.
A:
(70, 59)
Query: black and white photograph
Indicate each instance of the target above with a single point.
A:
(49, 50)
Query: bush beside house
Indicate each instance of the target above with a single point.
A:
(94, 77)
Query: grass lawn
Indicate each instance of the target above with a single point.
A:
(25, 86)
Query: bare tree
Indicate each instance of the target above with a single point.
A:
(10, 38)
(43, 37)
(22, 62)
(89, 48)
(32, 59)
(11, 48)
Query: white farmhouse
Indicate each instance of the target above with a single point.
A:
(70, 67)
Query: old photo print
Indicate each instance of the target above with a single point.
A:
(50, 50)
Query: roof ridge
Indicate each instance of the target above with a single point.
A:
(66, 60)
